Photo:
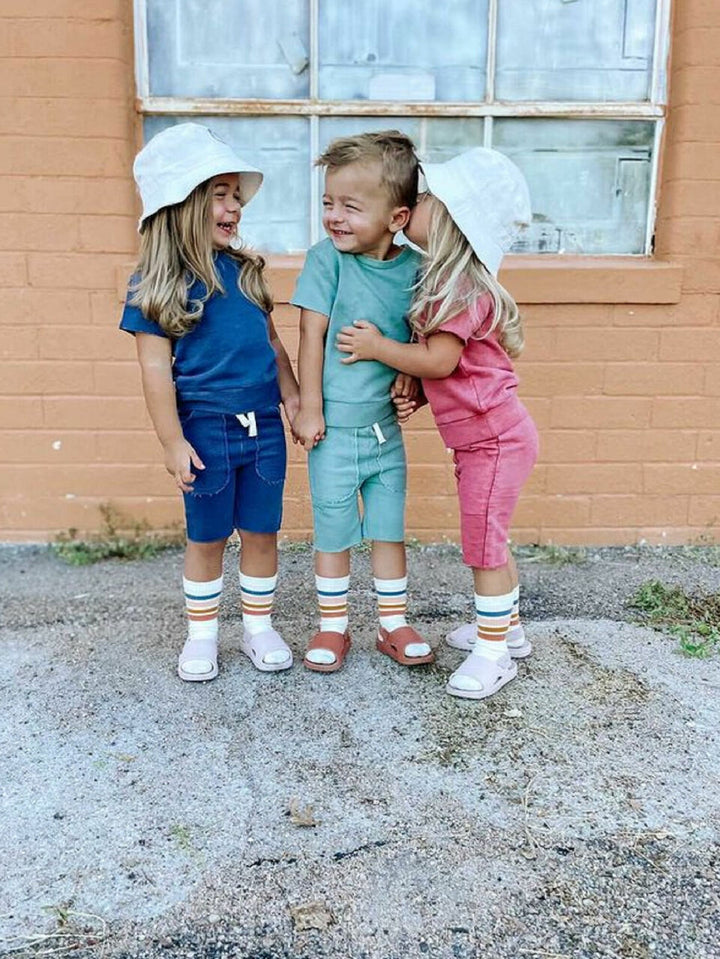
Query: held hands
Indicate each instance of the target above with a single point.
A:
(308, 428)
(291, 405)
(407, 395)
(180, 458)
(361, 341)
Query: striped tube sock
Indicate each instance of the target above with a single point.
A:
(202, 601)
(332, 593)
(515, 633)
(392, 602)
(257, 594)
(493, 619)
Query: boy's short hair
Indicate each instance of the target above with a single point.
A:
(392, 149)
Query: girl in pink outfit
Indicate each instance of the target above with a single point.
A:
(467, 330)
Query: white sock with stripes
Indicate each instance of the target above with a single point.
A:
(493, 619)
(257, 594)
(202, 602)
(392, 602)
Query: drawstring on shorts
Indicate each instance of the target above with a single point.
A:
(248, 421)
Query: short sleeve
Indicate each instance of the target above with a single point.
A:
(316, 287)
(469, 322)
(134, 321)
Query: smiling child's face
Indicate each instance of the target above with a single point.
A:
(226, 209)
(358, 214)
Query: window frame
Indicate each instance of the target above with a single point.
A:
(653, 109)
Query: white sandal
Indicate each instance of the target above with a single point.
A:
(267, 651)
(197, 662)
(463, 637)
(487, 675)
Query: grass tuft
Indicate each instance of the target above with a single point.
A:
(119, 537)
(693, 619)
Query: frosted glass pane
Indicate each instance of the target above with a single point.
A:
(594, 50)
(277, 220)
(213, 48)
(404, 50)
(589, 182)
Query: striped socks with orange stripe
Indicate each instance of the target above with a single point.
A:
(493, 619)
(392, 602)
(257, 594)
(202, 602)
(332, 594)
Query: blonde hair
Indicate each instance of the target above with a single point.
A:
(176, 250)
(453, 278)
(393, 150)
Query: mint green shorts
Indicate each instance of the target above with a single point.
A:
(352, 465)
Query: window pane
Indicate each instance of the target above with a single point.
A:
(575, 50)
(404, 50)
(277, 220)
(589, 182)
(212, 48)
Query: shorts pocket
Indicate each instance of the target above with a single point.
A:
(207, 434)
(270, 451)
(391, 461)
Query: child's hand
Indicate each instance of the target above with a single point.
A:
(309, 428)
(406, 393)
(180, 457)
(291, 405)
(359, 340)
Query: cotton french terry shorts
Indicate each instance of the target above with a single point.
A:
(352, 462)
(242, 484)
(490, 475)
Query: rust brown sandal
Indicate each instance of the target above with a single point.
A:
(395, 643)
(336, 643)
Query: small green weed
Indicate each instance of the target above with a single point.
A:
(119, 537)
(552, 554)
(693, 620)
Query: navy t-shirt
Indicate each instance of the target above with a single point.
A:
(226, 363)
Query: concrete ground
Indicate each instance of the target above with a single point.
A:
(364, 814)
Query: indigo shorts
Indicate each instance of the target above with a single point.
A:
(242, 484)
(366, 462)
(490, 475)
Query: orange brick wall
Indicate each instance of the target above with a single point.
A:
(621, 370)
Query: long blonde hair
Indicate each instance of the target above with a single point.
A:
(453, 279)
(176, 250)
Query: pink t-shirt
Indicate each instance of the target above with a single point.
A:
(479, 398)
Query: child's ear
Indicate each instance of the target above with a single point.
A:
(399, 218)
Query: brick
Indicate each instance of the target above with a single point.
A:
(537, 482)
(639, 510)
(73, 77)
(18, 343)
(708, 447)
(694, 122)
(33, 376)
(540, 410)
(689, 161)
(430, 480)
(36, 446)
(690, 198)
(86, 342)
(562, 315)
(128, 446)
(588, 536)
(18, 231)
(698, 13)
(693, 310)
(88, 479)
(690, 344)
(49, 515)
(696, 46)
(640, 446)
(425, 447)
(117, 379)
(100, 196)
(13, 269)
(44, 307)
(557, 510)
(21, 412)
(685, 412)
(64, 9)
(648, 379)
(568, 446)
(681, 477)
(705, 511)
(688, 234)
(711, 379)
(553, 379)
(95, 412)
(282, 272)
(588, 279)
(108, 234)
(433, 512)
(702, 274)
(603, 412)
(81, 39)
(65, 156)
(594, 478)
(83, 271)
(695, 84)
(603, 344)
(105, 311)
(668, 536)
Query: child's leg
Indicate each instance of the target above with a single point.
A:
(258, 581)
(332, 581)
(389, 563)
(202, 584)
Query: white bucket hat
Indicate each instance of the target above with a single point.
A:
(486, 196)
(176, 160)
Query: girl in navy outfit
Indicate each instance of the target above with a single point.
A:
(214, 373)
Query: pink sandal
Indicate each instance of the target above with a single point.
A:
(267, 651)
(197, 662)
(487, 674)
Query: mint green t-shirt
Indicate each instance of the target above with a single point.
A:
(347, 287)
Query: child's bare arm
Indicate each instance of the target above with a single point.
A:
(289, 390)
(433, 358)
(310, 423)
(155, 358)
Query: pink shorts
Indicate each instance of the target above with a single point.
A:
(490, 475)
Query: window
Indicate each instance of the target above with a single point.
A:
(574, 93)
